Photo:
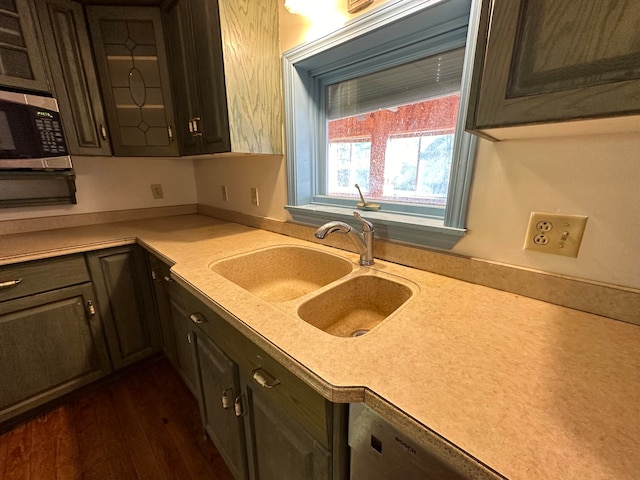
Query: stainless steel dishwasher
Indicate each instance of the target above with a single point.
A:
(382, 452)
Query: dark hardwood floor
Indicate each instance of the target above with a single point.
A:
(144, 424)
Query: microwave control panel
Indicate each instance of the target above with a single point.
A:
(47, 122)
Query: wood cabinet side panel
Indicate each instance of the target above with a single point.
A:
(251, 58)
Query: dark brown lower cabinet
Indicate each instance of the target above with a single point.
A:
(125, 302)
(266, 422)
(50, 344)
(220, 388)
(278, 444)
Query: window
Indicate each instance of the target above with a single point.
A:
(380, 104)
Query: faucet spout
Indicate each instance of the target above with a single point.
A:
(363, 241)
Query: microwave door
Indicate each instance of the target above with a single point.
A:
(6, 139)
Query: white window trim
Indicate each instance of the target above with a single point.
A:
(400, 23)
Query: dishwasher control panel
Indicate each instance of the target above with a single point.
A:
(380, 450)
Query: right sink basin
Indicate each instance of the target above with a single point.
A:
(353, 307)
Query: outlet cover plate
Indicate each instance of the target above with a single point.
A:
(555, 233)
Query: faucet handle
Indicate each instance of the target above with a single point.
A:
(367, 226)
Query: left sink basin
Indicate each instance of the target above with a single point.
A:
(283, 272)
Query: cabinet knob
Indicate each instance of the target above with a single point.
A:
(91, 310)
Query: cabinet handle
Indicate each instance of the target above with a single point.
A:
(237, 406)
(170, 132)
(10, 283)
(189, 339)
(264, 379)
(197, 318)
(167, 279)
(103, 132)
(91, 310)
(191, 126)
(226, 399)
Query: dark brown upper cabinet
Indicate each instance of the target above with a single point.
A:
(129, 48)
(21, 63)
(227, 75)
(73, 76)
(547, 61)
(192, 29)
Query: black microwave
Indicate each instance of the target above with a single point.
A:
(31, 136)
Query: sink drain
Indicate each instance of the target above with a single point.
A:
(359, 332)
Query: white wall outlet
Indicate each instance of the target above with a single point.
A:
(555, 233)
(254, 196)
(225, 193)
(156, 191)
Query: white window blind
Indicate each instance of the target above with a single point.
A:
(411, 82)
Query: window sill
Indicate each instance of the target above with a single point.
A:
(398, 227)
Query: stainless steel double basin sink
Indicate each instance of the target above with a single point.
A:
(325, 290)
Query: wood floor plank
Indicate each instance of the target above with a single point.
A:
(143, 425)
(66, 445)
(16, 466)
(103, 455)
(137, 442)
(42, 459)
(162, 445)
(175, 404)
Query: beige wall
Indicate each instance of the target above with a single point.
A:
(595, 176)
(116, 183)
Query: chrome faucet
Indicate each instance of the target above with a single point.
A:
(363, 241)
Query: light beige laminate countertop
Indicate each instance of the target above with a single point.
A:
(533, 390)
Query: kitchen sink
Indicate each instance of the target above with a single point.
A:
(283, 272)
(354, 307)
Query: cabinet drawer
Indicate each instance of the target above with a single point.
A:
(23, 279)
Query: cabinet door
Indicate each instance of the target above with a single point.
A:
(198, 75)
(220, 387)
(73, 76)
(20, 58)
(184, 340)
(177, 24)
(548, 61)
(132, 68)
(125, 301)
(50, 344)
(160, 280)
(279, 446)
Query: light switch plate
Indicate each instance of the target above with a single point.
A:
(555, 233)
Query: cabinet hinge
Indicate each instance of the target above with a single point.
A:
(196, 129)
(237, 406)
(227, 395)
